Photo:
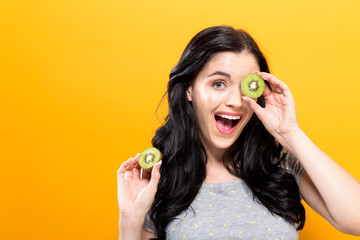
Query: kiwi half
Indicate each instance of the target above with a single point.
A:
(253, 85)
(149, 157)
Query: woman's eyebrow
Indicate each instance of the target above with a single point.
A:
(220, 73)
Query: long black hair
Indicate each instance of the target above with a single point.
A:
(254, 156)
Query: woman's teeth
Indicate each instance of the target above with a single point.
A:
(226, 124)
(228, 116)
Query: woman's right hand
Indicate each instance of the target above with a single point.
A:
(135, 194)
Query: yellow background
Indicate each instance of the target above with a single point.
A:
(81, 80)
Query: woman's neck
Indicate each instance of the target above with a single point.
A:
(216, 172)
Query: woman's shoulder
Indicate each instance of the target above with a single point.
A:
(292, 164)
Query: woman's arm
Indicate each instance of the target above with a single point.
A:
(135, 196)
(130, 229)
(326, 186)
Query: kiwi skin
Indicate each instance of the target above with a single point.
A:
(156, 154)
(253, 85)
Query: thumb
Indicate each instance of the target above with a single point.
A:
(155, 177)
(253, 105)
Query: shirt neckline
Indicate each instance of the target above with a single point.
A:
(236, 181)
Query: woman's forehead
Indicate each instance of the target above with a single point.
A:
(231, 63)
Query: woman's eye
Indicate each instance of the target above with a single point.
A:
(219, 85)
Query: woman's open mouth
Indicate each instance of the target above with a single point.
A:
(226, 122)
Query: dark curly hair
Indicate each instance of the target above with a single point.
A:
(254, 156)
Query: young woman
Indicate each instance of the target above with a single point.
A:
(233, 167)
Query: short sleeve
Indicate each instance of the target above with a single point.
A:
(149, 225)
(293, 165)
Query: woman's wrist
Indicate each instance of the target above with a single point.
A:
(289, 139)
(130, 226)
(131, 219)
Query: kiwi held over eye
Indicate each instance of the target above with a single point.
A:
(253, 85)
(149, 157)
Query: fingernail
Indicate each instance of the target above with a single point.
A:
(159, 164)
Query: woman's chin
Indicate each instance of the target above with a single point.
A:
(223, 143)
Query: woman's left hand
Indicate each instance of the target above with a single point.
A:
(279, 115)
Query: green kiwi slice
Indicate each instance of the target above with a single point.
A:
(253, 85)
(149, 157)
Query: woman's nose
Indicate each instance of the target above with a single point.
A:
(234, 98)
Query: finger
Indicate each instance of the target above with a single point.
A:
(271, 79)
(132, 163)
(128, 169)
(128, 174)
(121, 171)
(122, 168)
(136, 173)
(136, 158)
(277, 85)
(253, 105)
(146, 174)
(155, 176)
(267, 91)
(137, 168)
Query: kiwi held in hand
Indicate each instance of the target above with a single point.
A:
(149, 157)
(253, 85)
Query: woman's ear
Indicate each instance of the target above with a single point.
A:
(189, 94)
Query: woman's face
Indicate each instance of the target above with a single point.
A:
(220, 112)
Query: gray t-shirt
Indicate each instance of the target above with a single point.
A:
(228, 211)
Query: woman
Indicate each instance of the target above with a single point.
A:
(233, 166)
